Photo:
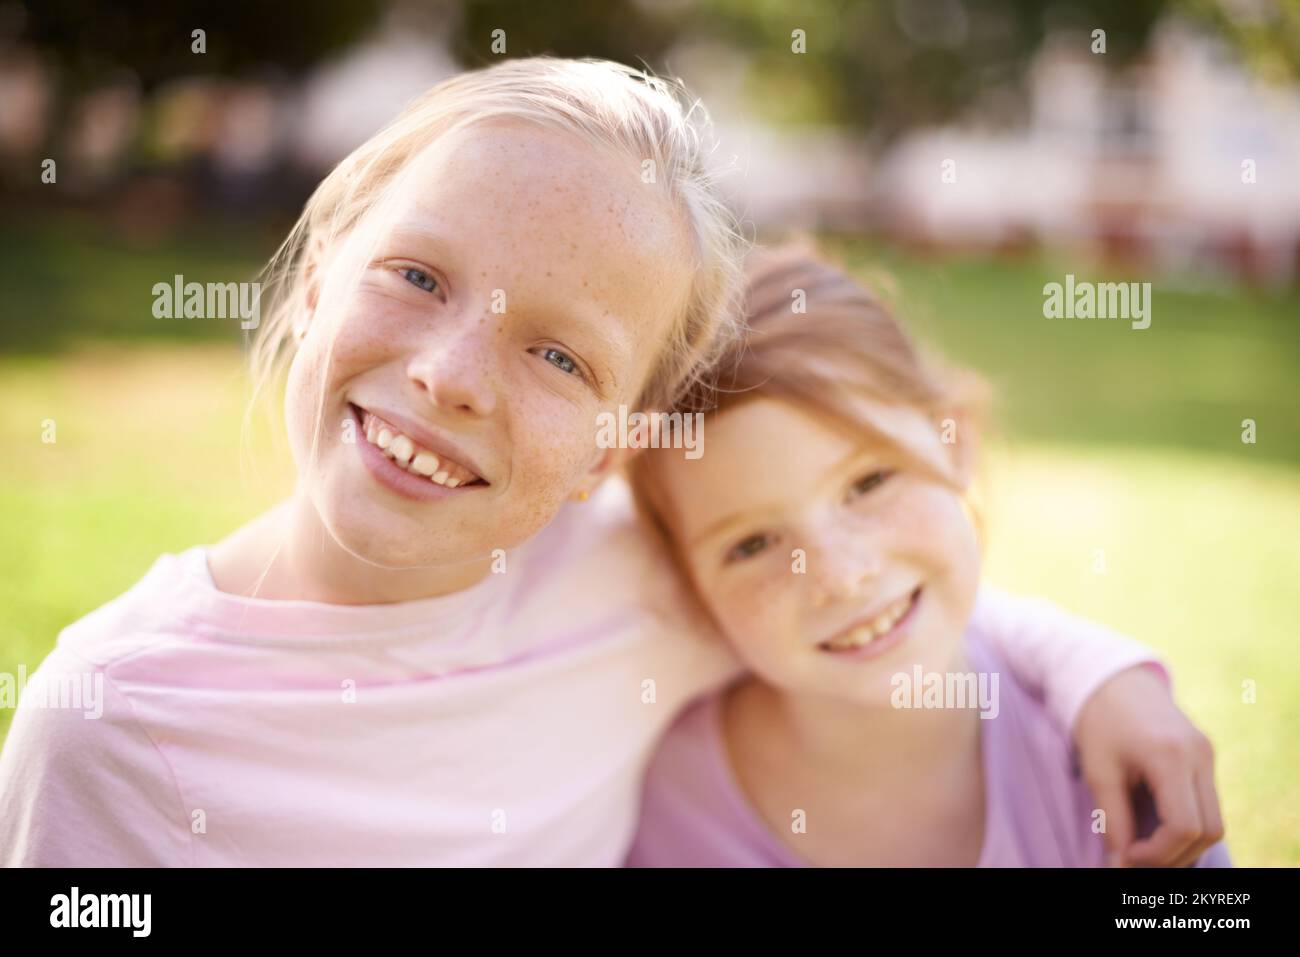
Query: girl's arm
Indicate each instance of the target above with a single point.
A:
(79, 790)
(1060, 656)
(1114, 696)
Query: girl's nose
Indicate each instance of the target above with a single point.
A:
(847, 572)
(456, 372)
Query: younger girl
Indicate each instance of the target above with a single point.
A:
(422, 657)
(827, 533)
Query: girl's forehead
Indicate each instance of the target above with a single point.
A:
(760, 453)
(773, 450)
(769, 425)
(773, 426)
(534, 172)
(512, 144)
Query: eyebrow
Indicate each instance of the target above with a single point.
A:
(408, 229)
(408, 232)
(849, 463)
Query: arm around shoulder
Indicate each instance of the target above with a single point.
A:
(1058, 655)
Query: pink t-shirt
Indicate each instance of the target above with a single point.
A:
(1038, 811)
(510, 723)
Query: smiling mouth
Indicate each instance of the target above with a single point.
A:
(408, 454)
(875, 629)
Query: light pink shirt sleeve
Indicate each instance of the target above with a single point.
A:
(76, 788)
(1055, 653)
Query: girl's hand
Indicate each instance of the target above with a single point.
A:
(1130, 732)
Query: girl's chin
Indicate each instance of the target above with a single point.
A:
(384, 555)
(391, 540)
(871, 682)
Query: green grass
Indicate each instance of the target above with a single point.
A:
(1210, 358)
(147, 459)
(1195, 555)
(67, 278)
(1126, 444)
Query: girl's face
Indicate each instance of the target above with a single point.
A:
(527, 283)
(829, 564)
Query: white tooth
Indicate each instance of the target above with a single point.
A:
(441, 477)
(452, 483)
(371, 431)
(425, 464)
(403, 449)
(385, 439)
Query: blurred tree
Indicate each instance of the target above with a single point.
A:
(1266, 32)
(91, 41)
(635, 32)
(893, 64)
(879, 65)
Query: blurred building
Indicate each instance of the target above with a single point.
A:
(1179, 163)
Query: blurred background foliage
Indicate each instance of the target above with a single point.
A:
(883, 66)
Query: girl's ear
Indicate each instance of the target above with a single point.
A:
(312, 269)
(615, 455)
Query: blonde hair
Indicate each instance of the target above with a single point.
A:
(846, 344)
(614, 107)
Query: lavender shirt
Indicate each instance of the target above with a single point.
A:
(1039, 811)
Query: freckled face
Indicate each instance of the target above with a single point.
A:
(872, 532)
(525, 283)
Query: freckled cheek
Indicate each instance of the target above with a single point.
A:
(930, 528)
(371, 333)
(553, 446)
(302, 400)
(760, 610)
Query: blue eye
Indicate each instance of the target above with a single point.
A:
(561, 361)
(746, 548)
(418, 277)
